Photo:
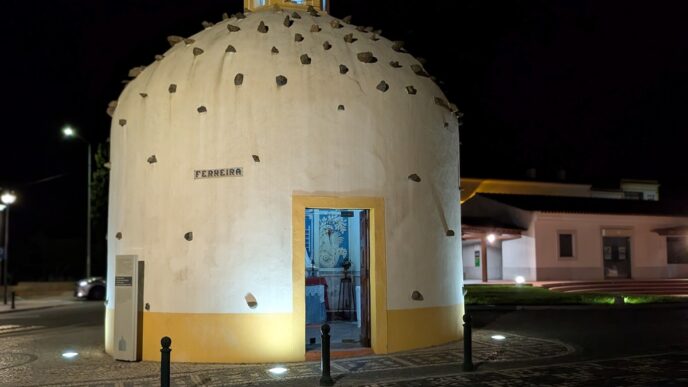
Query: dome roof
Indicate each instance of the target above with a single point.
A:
(277, 48)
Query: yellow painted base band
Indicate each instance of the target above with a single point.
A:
(223, 338)
(425, 327)
(265, 338)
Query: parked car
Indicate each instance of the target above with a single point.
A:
(90, 288)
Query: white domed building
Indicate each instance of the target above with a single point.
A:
(268, 152)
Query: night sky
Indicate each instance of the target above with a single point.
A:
(596, 88)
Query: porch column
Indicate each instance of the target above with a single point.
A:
(483, 256)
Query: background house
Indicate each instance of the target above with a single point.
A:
(559, 231)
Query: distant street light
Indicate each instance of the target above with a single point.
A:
(68, 133)
(7, 199)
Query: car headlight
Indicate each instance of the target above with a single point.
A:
(83, 283)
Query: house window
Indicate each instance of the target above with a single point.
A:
(566, 244)
(677, 249)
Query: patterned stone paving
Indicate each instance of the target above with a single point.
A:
(652, 370)
(485, 349)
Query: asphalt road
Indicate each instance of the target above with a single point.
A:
(614, 343)
(32, 342)
(598, 333)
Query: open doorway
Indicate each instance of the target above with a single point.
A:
(337, 258)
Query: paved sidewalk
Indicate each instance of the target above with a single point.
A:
(21, 304)
(100, 370)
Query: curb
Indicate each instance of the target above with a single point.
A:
(35, 308)
(668, 305)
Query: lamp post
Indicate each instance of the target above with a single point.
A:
(8, 198)
(68, 132)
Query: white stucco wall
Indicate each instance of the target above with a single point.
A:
(518, 258)
(494, 260)
(242, 237)
(648, 249)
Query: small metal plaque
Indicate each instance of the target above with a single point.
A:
(123, 281)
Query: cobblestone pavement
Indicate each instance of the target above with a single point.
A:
(653, 370)
(93, 369)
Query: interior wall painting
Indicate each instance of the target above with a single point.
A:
(334, 240)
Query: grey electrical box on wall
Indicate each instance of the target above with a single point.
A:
(128, 307)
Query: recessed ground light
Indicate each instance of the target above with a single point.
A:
(277, 370)
(498, 337)
(519, 279)
(70, 355)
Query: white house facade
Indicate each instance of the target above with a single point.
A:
(565, 237)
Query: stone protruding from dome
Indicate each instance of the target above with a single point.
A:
(262, 28)
(281, 80)
(112, 106)
(315, 28)
(418, 69)
(349, 38)
(238, 79)
(347, 19)
(366, 57)
(197, 51)
(230, 48)
(327, 45)
(274, 50)
(233, 28)
(395, 64)
(414, 177)
(174, 39)
(298, 38)
(287, 21)
(305, 59)
(398, 46)
(382, 86)
(343, 69)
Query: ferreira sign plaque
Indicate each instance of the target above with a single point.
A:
(222, 172)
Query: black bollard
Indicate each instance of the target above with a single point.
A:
(13, 295)
(165, 361)
(326, 378)
(467, 343)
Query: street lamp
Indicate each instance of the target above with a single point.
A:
(68, 133)
(7, 199)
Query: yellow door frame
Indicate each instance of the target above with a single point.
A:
(378, 262)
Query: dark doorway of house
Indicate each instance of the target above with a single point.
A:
(337, 276)
(616, 253)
